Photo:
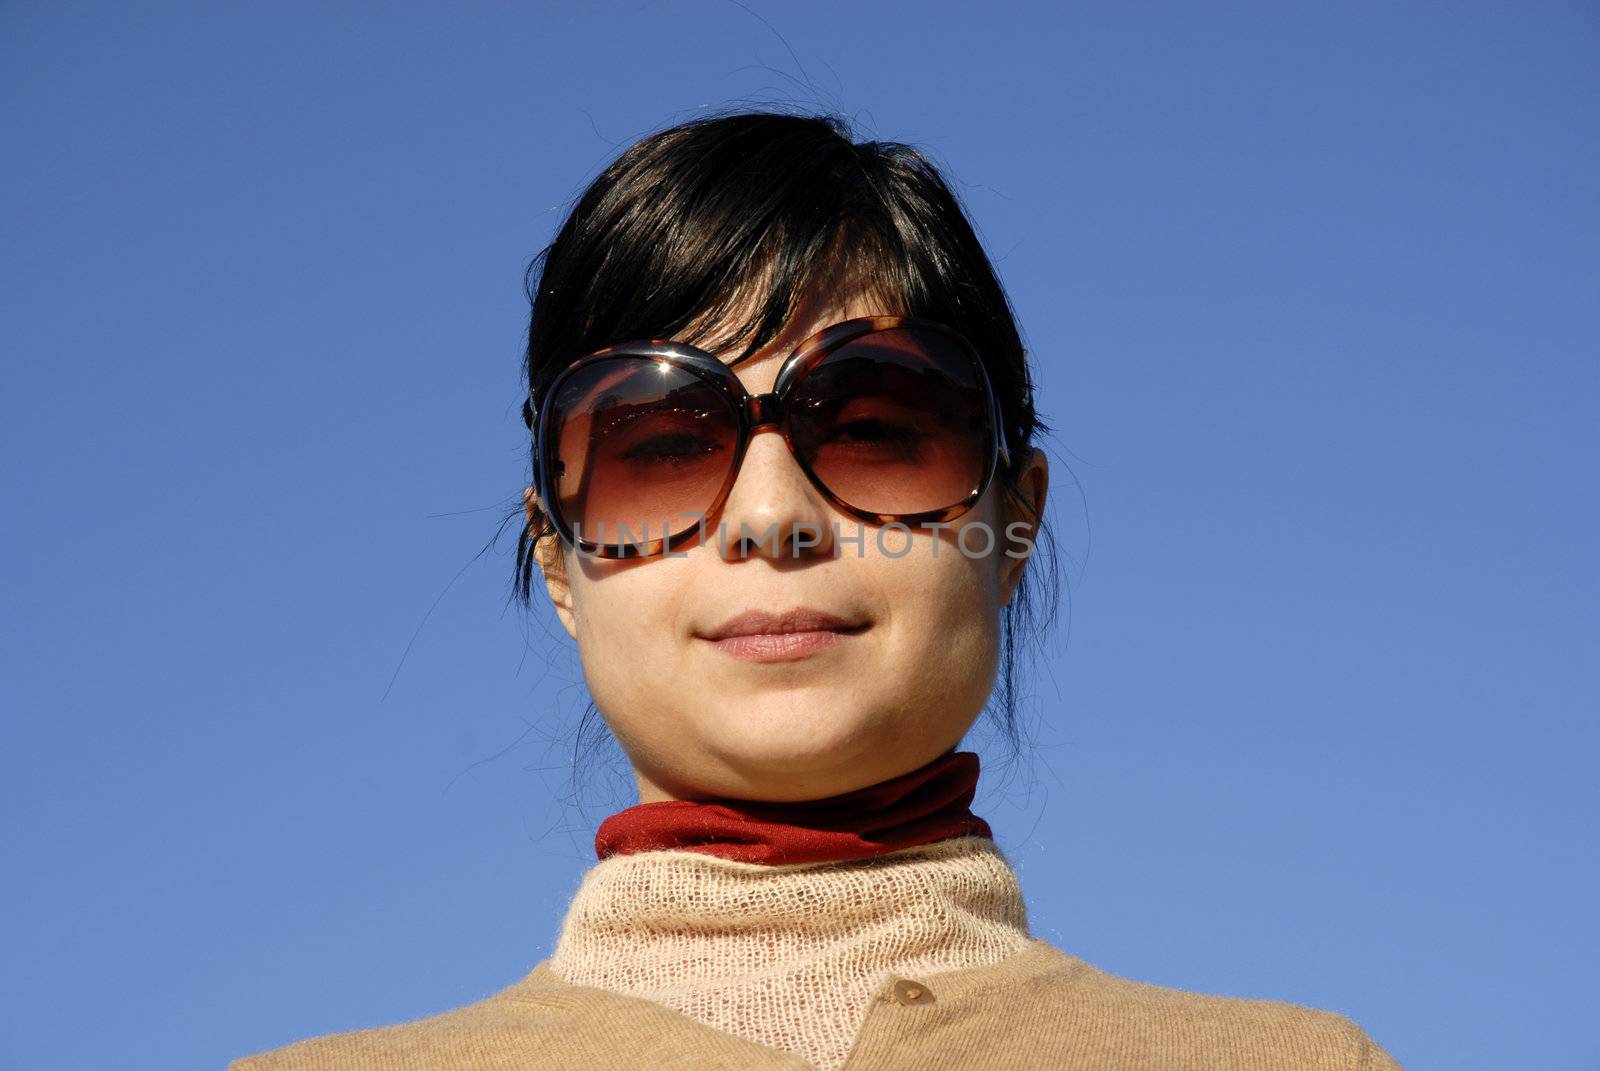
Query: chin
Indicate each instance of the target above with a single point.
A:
(782, 736)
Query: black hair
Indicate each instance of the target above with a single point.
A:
(755, 211)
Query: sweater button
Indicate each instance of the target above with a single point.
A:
(906, 991)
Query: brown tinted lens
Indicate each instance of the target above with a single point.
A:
(635, 444)
(895, 422)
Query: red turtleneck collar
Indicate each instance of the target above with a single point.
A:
(928, 804)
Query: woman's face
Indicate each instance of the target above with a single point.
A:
(697, 720)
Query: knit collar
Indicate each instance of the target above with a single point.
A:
(789, 956)
(929, 804)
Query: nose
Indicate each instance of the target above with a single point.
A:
(772, 510)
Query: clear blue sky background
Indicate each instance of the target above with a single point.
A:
(1312, 290)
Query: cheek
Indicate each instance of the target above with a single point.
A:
(957, 593)
(944, 610)
(625, 619)
(967, 571)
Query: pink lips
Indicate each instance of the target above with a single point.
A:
(757, 636)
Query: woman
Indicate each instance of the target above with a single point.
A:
(785, 498)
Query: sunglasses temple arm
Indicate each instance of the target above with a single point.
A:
(998, 418)
(534, 409)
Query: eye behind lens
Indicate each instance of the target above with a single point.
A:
(894, 423)
(645, 442)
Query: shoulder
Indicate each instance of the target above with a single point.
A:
(1041, 1008)
(500, 1031)
(1121, 1022)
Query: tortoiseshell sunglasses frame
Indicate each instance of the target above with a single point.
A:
(756, 411)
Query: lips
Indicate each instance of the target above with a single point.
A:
(799, 619)
(758, 636)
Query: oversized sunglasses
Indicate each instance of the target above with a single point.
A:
(892, 418)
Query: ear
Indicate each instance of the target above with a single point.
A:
(1033, 484)
(549, 554)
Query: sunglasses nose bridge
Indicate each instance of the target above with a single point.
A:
(763, 410)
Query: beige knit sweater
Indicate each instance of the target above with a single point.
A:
(920, 958)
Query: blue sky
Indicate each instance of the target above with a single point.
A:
(1311, 290)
